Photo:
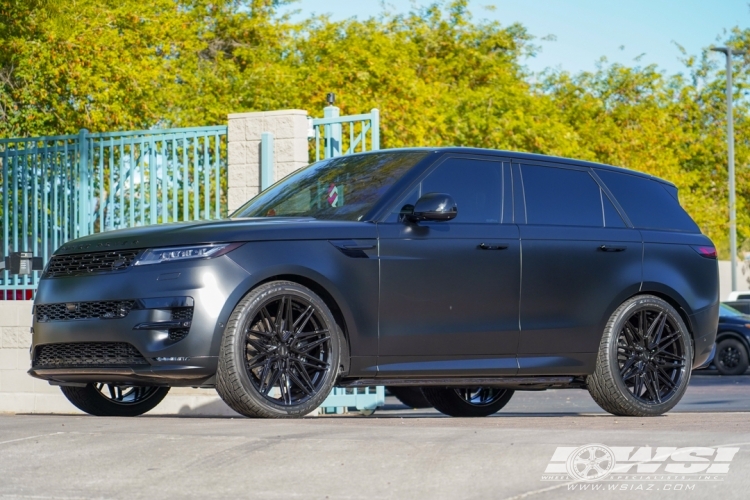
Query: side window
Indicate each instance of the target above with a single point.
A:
(611, 215)
(648, 203)
(562, 197)
(476, 185)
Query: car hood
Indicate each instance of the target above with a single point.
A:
(220, 231)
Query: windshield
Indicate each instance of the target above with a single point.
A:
(729, 311)
(343, 188)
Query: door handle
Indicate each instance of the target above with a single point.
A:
(485, 246)
(610, 248)
(358, 247)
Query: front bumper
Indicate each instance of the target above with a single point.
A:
(187, 359)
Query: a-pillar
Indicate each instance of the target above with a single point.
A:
(289, 129)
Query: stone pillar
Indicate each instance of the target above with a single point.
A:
(289, 129)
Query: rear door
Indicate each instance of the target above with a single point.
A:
(580, 261)
(449, 291)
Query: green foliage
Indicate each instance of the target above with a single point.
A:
(437, 76)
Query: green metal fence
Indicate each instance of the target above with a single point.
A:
(54, 189)
(336, 135)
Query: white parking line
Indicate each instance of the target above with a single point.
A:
(30, 437)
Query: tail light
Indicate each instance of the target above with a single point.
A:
(705, 251)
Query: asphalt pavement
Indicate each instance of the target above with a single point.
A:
(532, 449)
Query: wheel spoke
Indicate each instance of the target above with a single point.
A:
(311, 345)
(299, 383)
(314, 362)
(302, 335)
(279, 320)
(256, 361)
(652, 327)
(304, 375)
(266, 320)
(258, 346)
(288, 315)
(301, 322)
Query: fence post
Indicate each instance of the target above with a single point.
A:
(245, 178)
(333, 133)
(266, 160)
(82, 209)
(375, 129)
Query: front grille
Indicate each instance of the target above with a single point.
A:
(87, 354)
(182, 313)
(65, 311)
(178, 334)
(89, 263)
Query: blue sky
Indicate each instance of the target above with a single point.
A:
(586, 30)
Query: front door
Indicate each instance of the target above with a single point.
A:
(449, 291)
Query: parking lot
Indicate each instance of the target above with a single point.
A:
(395, 453)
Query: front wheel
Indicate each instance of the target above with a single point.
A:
(280, 352)
(114, 400)
(644, 360)
(467, 401)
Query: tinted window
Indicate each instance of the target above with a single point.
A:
(476, 185)
(559, 196)
(344, 188)
(648, 203)
(611, 215)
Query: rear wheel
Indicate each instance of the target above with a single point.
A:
(410, 396)
(731, 357)
(280, 352)
(114, 400)
(643, 366)
(467, 401)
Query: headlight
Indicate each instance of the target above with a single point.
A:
(173, 254)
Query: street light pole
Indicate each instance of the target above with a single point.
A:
(730, 145)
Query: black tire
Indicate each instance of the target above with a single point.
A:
(731, 357)
(114, 400)
(259, 356)
(644, 361)
(467, 402)
(410, 396)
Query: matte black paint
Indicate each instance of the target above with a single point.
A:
(415, 300)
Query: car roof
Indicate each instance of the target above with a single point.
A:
(524, 156)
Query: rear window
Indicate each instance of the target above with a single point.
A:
(563, 197)
(648, 203)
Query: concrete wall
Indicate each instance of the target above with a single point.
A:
(289, 129)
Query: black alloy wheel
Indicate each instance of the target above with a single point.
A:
(643, 366)
(288, 348)
(467, 401)
(731, 357)
(651, 355)
(125, 394)
(280, 353)
(114, 400)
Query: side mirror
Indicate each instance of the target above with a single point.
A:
(434, 207)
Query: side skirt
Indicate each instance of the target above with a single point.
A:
(515, 383)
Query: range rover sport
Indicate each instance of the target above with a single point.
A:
(464, 273)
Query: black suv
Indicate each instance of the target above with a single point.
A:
(466, 273)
